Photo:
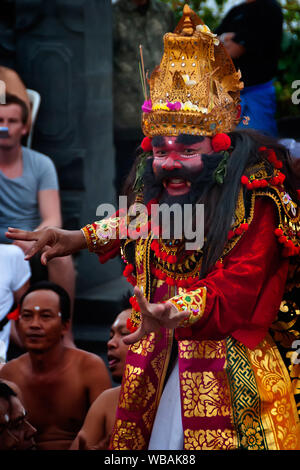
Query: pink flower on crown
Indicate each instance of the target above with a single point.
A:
(147, 106)
(174, 106)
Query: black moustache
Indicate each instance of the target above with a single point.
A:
(200, 181)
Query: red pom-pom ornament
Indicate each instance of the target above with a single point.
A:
(146, 144)
(220, 142)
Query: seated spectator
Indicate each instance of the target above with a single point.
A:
(16, 433)
(29, 195)
(14, 282)
(96, 430)
(58, 383)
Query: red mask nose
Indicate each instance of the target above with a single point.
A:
(171, 163)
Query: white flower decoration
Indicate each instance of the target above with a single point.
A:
(187, 80)
(205, 30)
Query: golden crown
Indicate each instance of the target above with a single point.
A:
(196, 88)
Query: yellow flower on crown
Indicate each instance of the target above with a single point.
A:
(196, 88)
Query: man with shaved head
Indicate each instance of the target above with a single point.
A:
(58, 383)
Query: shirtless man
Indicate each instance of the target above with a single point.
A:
(96, 430)
(58, 383)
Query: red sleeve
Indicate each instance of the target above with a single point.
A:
(243, 298)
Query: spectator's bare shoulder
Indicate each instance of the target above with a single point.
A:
(106, 401)
(98, 408)
(14, 368)
(86, 359)
(93, 372)
(91, 366)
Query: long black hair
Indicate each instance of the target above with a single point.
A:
(220, 200)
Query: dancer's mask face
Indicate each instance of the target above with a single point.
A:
(180, 170)
(183, 154)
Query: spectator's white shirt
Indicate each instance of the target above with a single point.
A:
(14, 272)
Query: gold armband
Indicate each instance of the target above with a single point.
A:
(194, 302)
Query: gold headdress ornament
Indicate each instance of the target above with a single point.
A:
(196, 88)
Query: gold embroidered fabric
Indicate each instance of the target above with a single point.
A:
(205, 394)
(278, 408)
(190, 349)
(158, 363)
(137, 389)
(145, 346)
(127, 436)
(211, 439)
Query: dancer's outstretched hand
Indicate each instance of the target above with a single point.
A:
(154, 316)
(50, 241)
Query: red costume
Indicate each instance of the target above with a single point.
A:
(236, 390)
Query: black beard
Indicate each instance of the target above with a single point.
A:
(201, 182)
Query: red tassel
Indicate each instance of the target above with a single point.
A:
(278, 232)
(230, 234)
(14, 315)
(289, 244)
(128, 270)
(130, 326)
(131, 280)
(170, 281)
(154, 244)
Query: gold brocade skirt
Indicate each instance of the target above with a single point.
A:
(248, 403)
